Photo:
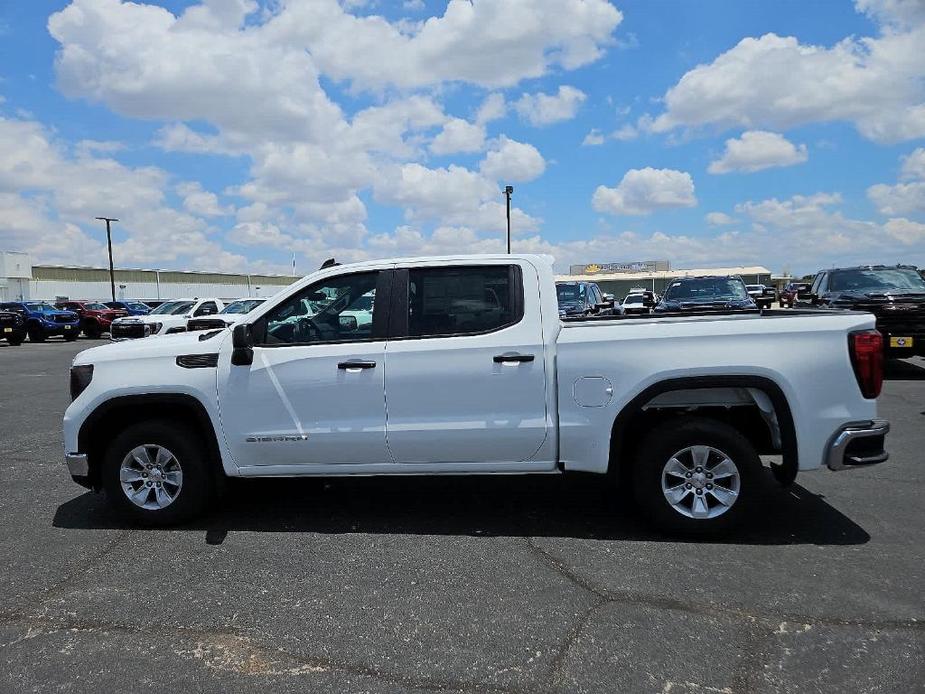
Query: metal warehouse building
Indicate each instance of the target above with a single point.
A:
(20, 279)
(613, 279)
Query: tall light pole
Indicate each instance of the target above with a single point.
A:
(112, 274)
(507, 194)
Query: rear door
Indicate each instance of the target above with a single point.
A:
(465, 369)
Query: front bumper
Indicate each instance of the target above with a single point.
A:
(50, 328)
(129, 331)
(858, 444)
(79, 468)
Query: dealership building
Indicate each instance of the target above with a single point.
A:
(619, 278)
(21, 279)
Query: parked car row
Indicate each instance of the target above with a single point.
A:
(894, 294)
(126, 319)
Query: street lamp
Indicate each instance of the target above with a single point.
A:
(507, 194)
(112, 274)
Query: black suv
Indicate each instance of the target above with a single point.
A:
(12, 327)
(706, 293)
(895, 294)
(584, 299)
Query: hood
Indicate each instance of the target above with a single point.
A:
(55, 312)
(702, 304)
(884, 296)
(153, 348)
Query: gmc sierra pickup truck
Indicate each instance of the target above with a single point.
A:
(463, 366)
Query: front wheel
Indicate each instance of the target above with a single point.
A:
(36, 334)
(158, 473)
(696, 476)
(15, 339)
(92, 330)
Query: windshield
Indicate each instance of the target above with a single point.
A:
(135, 306)
(172, 308)
(570, 293)
(706, 289)
(634, 299)
(94, 306)
(243, 306)
(39, 306)
(881, 279)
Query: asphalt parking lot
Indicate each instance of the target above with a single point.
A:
(474, 585)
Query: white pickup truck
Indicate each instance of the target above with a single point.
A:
(463, 367)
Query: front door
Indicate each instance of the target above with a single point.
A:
(315, 391)
(466, 379)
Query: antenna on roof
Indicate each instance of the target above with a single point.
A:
(330, 262)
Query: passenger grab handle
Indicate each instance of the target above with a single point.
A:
(512, 358)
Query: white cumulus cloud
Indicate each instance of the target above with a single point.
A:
(545, 109)
(643, 191)
(776, 82)
(509, 161)
(756, 150)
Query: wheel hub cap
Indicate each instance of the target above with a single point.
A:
(151, 476)
(700, 482)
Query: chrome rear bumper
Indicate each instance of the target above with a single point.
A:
(857, 445)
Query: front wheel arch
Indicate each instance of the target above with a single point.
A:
(116, 414)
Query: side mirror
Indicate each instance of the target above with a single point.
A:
(348, 323)
(242, 339)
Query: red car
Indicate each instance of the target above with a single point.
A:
(794, 292)
(95, 317)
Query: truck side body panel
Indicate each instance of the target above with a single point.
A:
(806, 357)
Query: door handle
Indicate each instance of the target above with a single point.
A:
(356, 365)
(512, 358)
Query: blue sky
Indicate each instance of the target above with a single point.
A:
(232, 134)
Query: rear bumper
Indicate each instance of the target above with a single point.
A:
(858, 444)
(916, 338)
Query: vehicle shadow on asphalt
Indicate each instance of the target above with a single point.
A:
(573, 506)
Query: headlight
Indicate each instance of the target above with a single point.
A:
(155, 327)
(80, 379)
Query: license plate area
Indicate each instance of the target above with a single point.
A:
(900, 341)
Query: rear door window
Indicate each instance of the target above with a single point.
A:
(465, 300)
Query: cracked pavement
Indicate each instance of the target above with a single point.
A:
(505, 584)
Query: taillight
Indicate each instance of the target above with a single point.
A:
(866, 349)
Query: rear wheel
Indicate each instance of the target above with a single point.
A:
(71, 335)
(696, 476)
(158, 473)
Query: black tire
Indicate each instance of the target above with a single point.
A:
(71, 336)
(36, 334)
(197, 490)
(92, 330)
(669, 438)
(16, 340)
